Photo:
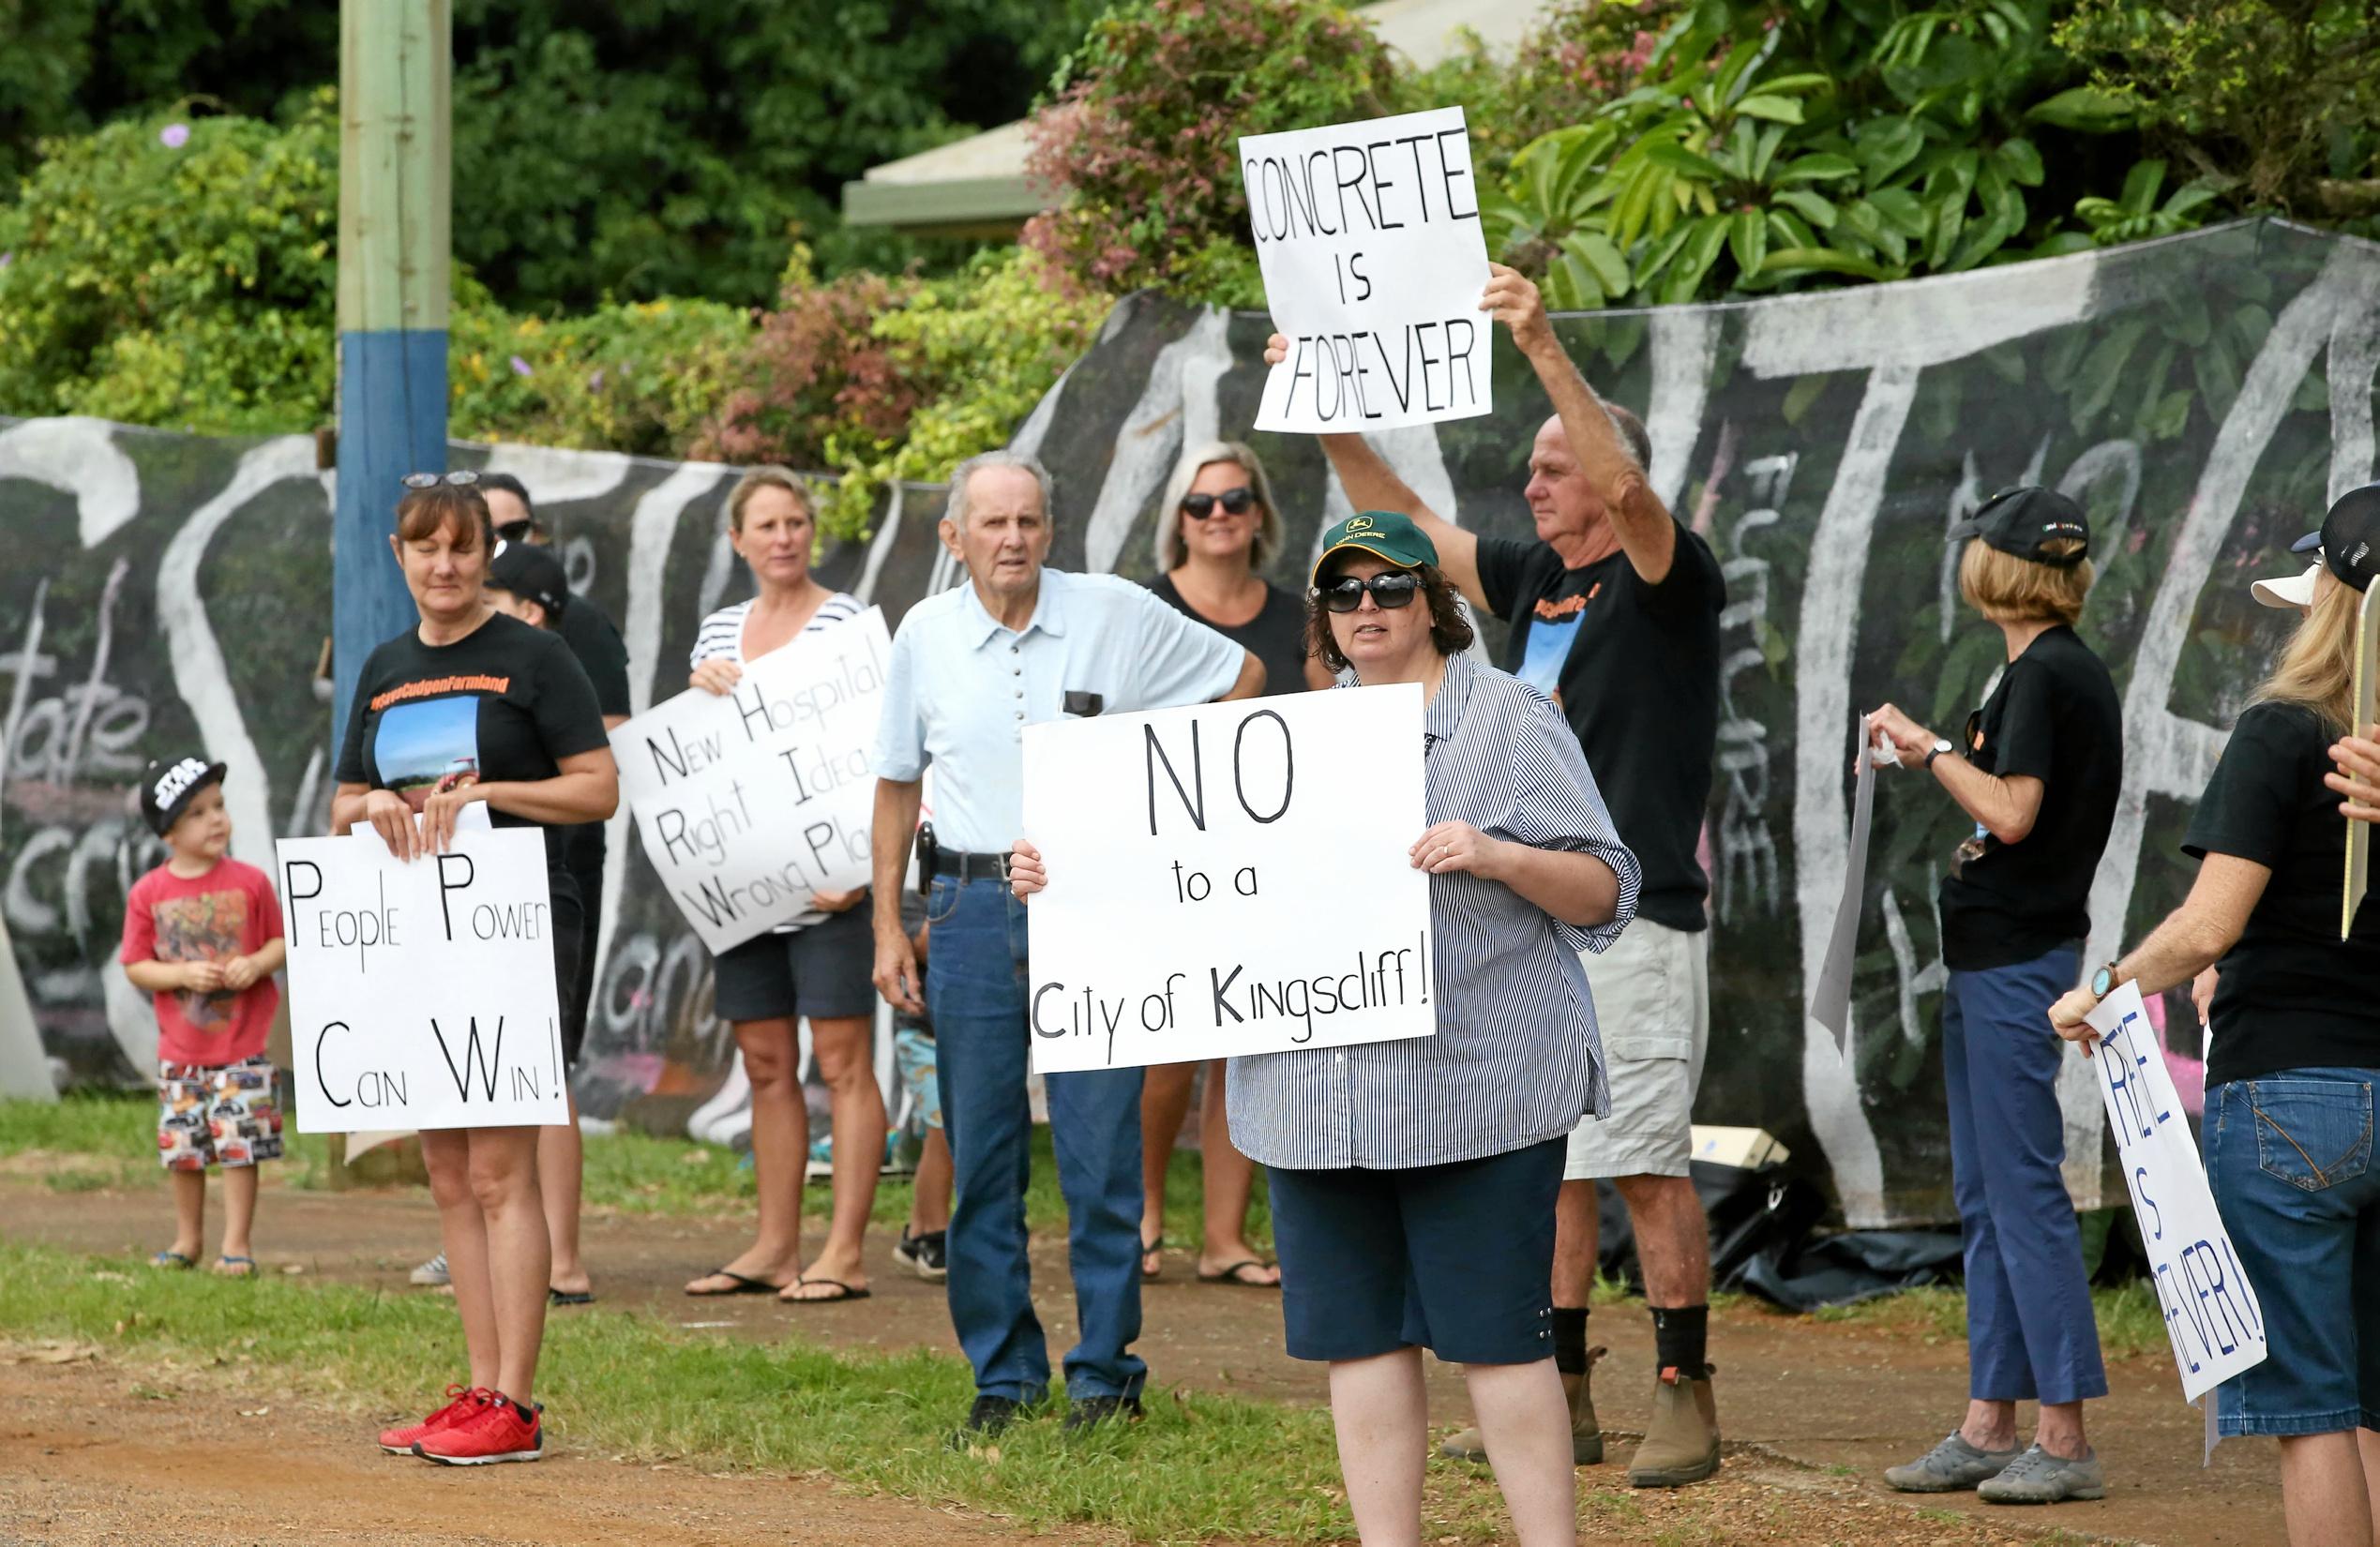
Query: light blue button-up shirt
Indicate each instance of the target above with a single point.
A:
(961, 688)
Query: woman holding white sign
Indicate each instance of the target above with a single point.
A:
(2293, 1052)
(816, 966)
(1413, 1181)
(1218, 529)
(472, 707)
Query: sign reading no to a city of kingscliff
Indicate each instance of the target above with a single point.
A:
(421, 994)
(1369, 240)
(750, 804)
(1229, 878)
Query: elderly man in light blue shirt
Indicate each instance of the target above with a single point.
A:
(970, 668)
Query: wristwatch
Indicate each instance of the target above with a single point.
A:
(1940, 747)
(2103, 982)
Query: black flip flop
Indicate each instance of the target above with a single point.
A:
(1231, 1276)
(744, 1285)
(843, 1293)
(568, 1297)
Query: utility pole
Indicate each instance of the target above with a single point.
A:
(395, 235)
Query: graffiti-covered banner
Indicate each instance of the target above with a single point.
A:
(2202, 396)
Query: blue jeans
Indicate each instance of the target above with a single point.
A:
(2030, 1333)
(975, 990)
(2289, 1157)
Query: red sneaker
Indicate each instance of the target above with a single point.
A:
(459, 1404)
(491, 1432)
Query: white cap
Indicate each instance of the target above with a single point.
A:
(2297, 592)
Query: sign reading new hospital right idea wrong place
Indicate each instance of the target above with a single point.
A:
(1368, 238)
(1229, 878)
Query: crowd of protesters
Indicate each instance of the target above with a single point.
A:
(1455, 1210)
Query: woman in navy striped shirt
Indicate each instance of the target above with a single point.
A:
(1413, 1181)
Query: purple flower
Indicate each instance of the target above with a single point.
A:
(7, 258)
(519, 366)
(175, 136)
(594, 383)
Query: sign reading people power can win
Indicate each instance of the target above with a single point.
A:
(1368, 236)
(1229, 878)
(752, 802)
(421, 993)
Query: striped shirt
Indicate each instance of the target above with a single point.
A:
(1517, 1059)
(721, 638)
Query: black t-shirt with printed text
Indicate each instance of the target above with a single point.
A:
(2292, 994)
(2054, 718)
(596, 641)
(1634, 668)
(505, 702)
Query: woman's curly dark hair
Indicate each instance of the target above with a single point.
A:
(1450, 630)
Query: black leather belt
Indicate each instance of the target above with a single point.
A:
(970, 867)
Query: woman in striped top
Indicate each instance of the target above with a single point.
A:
(1413, 1181)
(815, 967)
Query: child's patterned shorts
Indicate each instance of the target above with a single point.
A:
(217, 1115)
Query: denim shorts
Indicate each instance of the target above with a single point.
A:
(2289, 1157)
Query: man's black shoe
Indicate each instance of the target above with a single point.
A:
(986, 1420)
(1088, 1413)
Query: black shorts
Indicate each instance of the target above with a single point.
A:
(824, 973)
(1456, 1258)
(578, 989)
(573, 949)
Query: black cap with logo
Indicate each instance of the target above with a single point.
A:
(167, 789)
(2021, 521)
(2350, 536)
(526, 570)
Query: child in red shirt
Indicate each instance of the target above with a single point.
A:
(203, 934)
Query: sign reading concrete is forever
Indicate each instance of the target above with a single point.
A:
(1368, 236)
(1229, 878)
(751, 803)
(2211, 1312)
(421, 995)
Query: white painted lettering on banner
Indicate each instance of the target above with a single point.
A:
(751, 803)
(1368, 236)
(2210, 1309)
(422, 995)
(1229, 878)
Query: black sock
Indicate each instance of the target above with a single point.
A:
(1570, 1339)
(1680, 1338)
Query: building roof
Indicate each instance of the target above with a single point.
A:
(976, 186)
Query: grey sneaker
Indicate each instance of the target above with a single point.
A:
(1951, 1467)
(432, 1275)
(2039, 1478)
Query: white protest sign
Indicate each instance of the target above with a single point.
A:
(1229, 878)
(421, 995)
(750, 802)
(2211, 1312)
(1368, 238)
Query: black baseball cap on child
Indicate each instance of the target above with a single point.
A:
(167, 789)
(526, 570)
(2021, 521)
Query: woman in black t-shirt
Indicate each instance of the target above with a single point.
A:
(473, 707)
(2038, 772)
(2294, 1050)
(1216, 529)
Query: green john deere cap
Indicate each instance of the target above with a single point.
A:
(1382, 533)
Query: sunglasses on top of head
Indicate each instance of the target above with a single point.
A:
(1235, 502)
(462, 477)
(1392, 590)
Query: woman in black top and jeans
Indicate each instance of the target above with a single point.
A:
(473, 707)
(2294, 1048)
(1216, 531)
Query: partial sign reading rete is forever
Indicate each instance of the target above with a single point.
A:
(421, 995)
(1369, 240)
(1229, 878)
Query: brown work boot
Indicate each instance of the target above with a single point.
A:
(1681, 1438)
(1585, 1435)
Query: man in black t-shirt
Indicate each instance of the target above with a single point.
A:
(1614, 611)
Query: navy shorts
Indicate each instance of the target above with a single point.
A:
(1456, 1258)
(824, 973)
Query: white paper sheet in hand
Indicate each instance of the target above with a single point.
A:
(1368, 236)
(1229, 878)
(2211, 1313)
(1831, 1001)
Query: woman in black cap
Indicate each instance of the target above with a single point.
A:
(2294, 1050)
(2038, 771)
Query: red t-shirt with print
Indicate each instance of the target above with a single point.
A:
(229, 911)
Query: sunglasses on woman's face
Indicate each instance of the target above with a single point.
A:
(1391, 591)
(1235, 502)
(462, 477)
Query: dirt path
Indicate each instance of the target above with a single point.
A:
(1812, 1411)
